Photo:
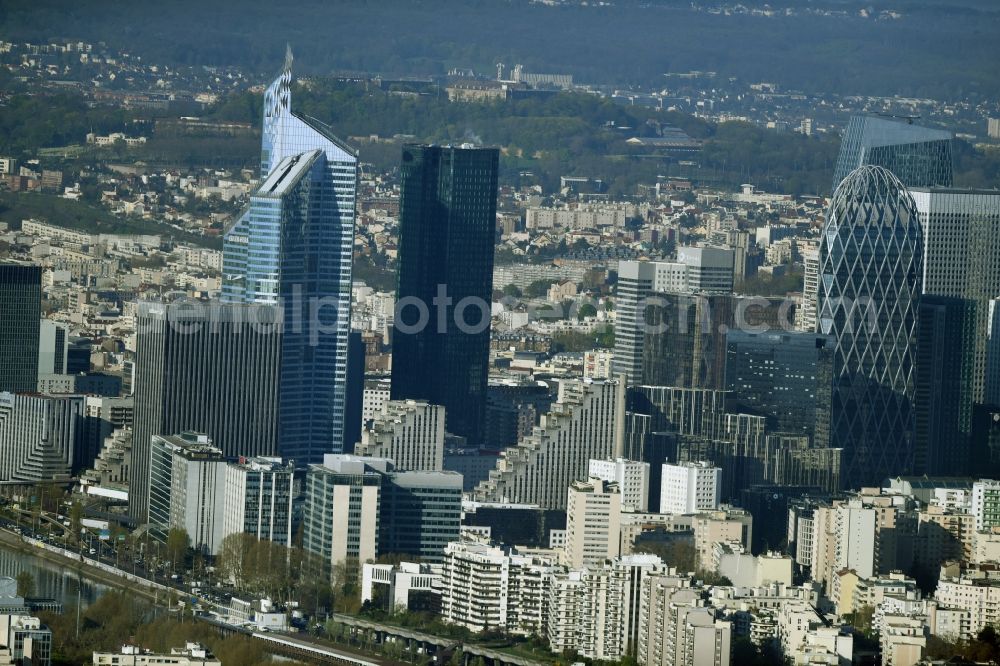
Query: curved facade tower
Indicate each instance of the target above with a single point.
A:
(871, 258)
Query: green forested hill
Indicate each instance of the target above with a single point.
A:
(933, 49)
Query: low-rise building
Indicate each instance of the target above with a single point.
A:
(746, 570)
(986, 546)
(676, 628)
(192, 654)
(974, 592)
(903, 640)
(486, 586)
(404, 586)
(27, 639)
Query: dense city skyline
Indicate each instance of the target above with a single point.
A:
(529, 362)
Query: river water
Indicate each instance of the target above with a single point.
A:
(52, 581)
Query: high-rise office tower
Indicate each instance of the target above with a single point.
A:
(666, 423)
(187, 487)
(636, 281)
(259, 495)
(991, 393)
(917, 156)
(447, 222)
(292, 247)
(40, 437)
(942, 390)
(212, 369)
(739, 242)
(805, 315)
(52, 346)
(194, 487)
(685, 341)
(354, 395)
(709, 270)
(698, 270)
(21, 306)
(340, 514)
(870, 281)
(358, 507)
(419, 513)
(961, 239)
(786, 375)
(984, 451)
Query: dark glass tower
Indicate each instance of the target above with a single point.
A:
(943, 390)
(918, 156)
(447, 221)
(785, 375)
(21, 312)
(685, 344)
(871, 255)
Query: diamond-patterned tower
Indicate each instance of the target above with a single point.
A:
(870, 281)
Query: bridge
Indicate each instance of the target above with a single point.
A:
(436, 647)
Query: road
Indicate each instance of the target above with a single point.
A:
(100, 568)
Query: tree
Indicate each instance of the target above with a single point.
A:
(25, 584)
(586, 310)
(346, 591)
(512, 290)
(862, 620)
(76, 519)
(571, 341)
(676, 552)
(178, 543)
(538, 288)
(606, 337)
(744, 651)
(232, 560)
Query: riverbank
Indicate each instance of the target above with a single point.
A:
(298, 648)
(17, 543)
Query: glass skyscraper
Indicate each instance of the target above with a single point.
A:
(943, 401)
(961, 238)
(787, 375)
(447, 227)
(293, 247)
(870, 281)
(918, 156)
(21, 305)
